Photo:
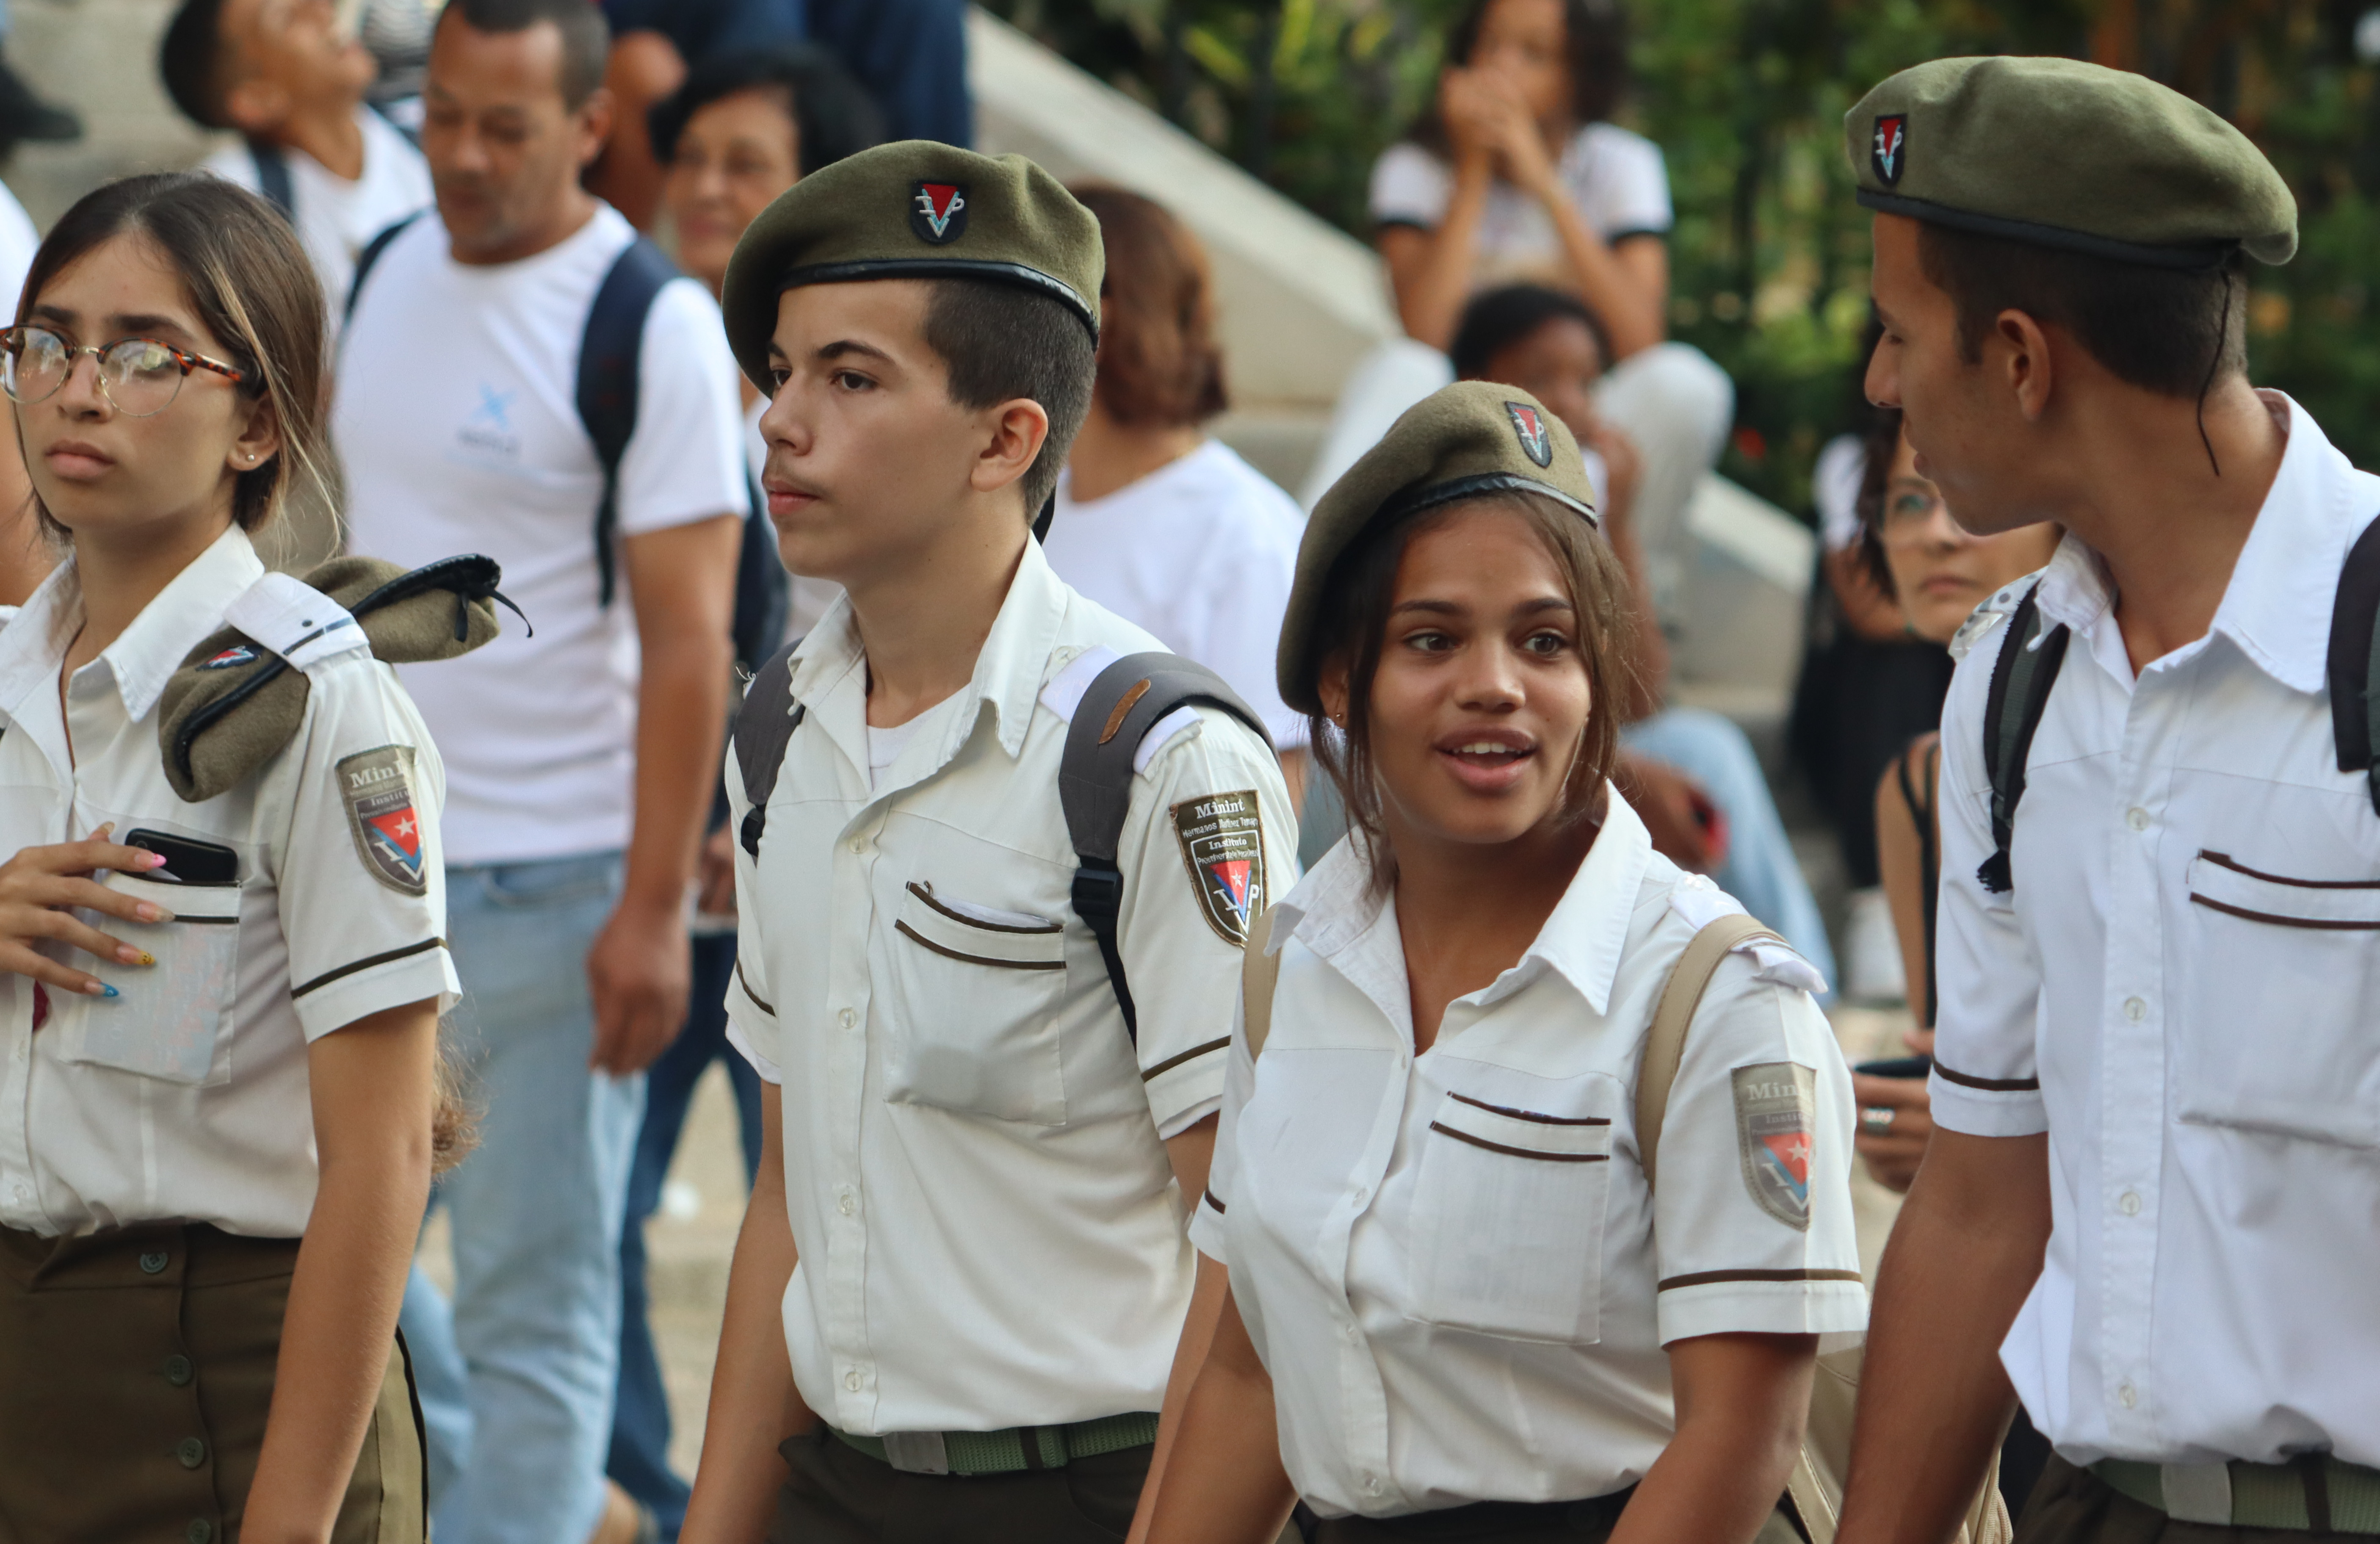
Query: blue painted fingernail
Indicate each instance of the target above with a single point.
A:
(107, 991)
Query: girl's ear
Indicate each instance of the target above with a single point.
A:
(1332, 689)
(260, 439)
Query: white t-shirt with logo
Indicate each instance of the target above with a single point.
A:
(457, 422)
(1616, 178)
(19, 242)
(334, 217)
(1199, 552)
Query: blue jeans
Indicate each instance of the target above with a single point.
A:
(1760, 870)
(516, 1376)
(640, 1423)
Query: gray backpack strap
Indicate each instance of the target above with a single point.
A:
(1259, 973)
(1095, 780)
(764, 726)
(2022, 678)
(2354, 649)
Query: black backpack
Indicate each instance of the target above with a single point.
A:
(608, 354)
(2023, 677)
(1095, 773)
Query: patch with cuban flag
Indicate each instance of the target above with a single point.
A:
(377, 787)
(937, 211)
(1222, 844)
(1530, 429)
(1776, 1111)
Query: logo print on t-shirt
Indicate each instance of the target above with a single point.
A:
(487, 430)
(1775, 1110)
(1891, 139)
(937, 211)
(1530, 428)
(1222, 845)
(377, 787)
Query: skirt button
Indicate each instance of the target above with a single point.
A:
(191, 1452)
(154, 1261)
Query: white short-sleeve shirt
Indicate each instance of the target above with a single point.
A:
(2181, 991)
(19, 242)
(1452, 1264)
(975, 1175)
(1200, 552)
(334, 217)
(457, 422)
(184, 1098)
(1615, 177)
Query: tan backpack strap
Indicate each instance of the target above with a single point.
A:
(1665, 1044)
(1258, 971)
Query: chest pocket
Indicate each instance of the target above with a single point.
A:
(977, 990)
(173, 1019)
(1509, 1215)
(2279, 1034)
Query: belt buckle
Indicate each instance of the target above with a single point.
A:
(916, 1453)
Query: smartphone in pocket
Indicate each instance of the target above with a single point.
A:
(187, 860)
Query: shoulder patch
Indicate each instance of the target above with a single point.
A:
(1980, 623)
(1222, 846)
(377, 788)
(1775, 1109)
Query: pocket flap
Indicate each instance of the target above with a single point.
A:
(980, 934)
(2215, 880)
(186, 902)
(1523, 1133)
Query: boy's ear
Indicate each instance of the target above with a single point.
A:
(1014, 433)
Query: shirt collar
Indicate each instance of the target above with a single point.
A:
(148, 653)
(1582, 941)
(2277, 606)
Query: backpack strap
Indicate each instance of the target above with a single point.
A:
(763, 589)
(2022, 678)
(1664, 1043)
(764, 726)
(610, 354)
(371, 255)
(1095, 775)
(272, 177)
(2354, 638)
(1260, 973)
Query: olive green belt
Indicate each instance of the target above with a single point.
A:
(1003, 1452)
(2317, 1492)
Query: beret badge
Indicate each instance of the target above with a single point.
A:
(1888, 146)
(938, 213)
(1530, 429)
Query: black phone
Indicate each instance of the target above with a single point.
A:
(1898, 1066)
(188, 861)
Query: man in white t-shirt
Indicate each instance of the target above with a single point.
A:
(292, 82)
(581, 759)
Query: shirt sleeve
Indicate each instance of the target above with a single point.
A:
(751, 1005)
(1621, 184)
(1208, 838)
(1206, 1230)
(359, 870)
(1985, 1079)
(1410, 186)
(1752, 1213)
(685, 461)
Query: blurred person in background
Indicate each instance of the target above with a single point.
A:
(292, 83)
(745, 128)
(582, 761)
(1517, 173)
(1690, 772)
(1163, 525)
(26, 557)
(24, 116)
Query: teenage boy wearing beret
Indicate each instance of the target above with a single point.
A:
(962, 1275)
(2147, 1209)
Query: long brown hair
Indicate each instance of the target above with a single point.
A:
(1160, 365)
(251, 285)
(1354, 625)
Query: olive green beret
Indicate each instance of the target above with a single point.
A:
(1465, 441)
(913, 209)
(232, 705)
(2071, 155)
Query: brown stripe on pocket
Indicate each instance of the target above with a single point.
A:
(1989, 1084)
(2318, 924)
(1190, 1055)
(926, 893)
(1527, 1114)
(1211, 1198)
(746, 981)
(2224, 860)
(916, 937)
(1706, 1278)
(1520, 1152)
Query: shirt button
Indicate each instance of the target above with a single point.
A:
(178, 1371)
(852, 1381)
(859, 844)
(1371, 1485)
(2135, 1010)
(24, 1196)
(191, 1452)
(2129, 1203)
(2129, 1395)
(846, 1204)
(2137, 818)
(846, 1018)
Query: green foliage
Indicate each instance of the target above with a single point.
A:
(1746, 98)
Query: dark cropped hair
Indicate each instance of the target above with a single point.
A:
(1160, 364)
(190, 62)
(253, 288)
(1594, 50)
(586, 36)
(1497, 318)
(2168, 331)
(1354, 625)
(833, 115)
(1000, 341)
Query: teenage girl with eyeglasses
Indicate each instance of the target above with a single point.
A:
(219, 1093)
